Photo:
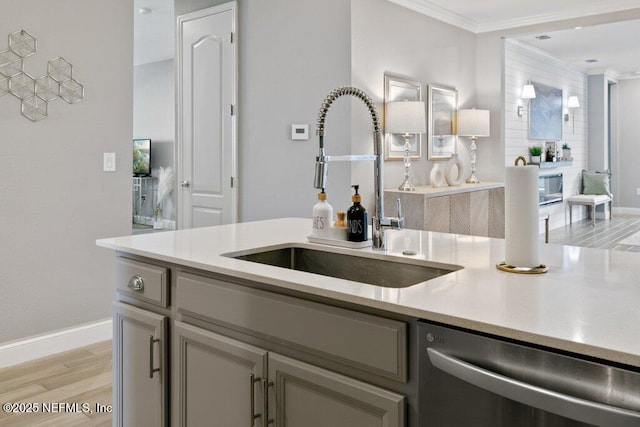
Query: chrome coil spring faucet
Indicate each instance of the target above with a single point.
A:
(379, 222)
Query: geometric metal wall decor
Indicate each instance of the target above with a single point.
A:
(35, 94)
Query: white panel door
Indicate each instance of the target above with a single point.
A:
(206, 122)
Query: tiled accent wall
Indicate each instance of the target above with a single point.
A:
(522, 64)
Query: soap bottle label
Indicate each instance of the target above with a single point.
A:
(357, 226)
(322, 216)
(318, 222)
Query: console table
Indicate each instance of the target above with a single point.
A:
(472, 209)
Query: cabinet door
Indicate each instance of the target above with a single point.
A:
(140, 369)
(216, 380)
(302, 395)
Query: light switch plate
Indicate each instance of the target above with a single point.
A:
(300, 132)
(109, 162)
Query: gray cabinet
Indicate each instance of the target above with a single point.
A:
(216, 380)
(369, 343)
(304, 395)
(223, 367)
(140, 367)
(219, 381)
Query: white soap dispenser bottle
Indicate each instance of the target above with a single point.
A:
(322, 215)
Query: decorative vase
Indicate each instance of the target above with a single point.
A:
(437, 176)
(535, 159)
(566, 153)
(454, 172)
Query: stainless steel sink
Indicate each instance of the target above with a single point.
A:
(374, 271)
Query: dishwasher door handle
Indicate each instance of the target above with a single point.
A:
(567, 406)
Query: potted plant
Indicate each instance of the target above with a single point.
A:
(535, 152)
(566, 151)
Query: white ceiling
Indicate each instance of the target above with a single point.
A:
(153, 33)
(615, 45)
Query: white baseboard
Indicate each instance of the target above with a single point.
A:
(626, 211)
(55, 342)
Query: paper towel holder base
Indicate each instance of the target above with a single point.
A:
(522, 270)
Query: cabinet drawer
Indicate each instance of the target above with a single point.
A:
(363, 341)
(142, 281)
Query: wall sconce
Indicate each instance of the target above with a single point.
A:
(528, 92)
(407, 118)
(572, 103)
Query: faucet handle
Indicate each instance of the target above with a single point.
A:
(395, 223)
(399, 222)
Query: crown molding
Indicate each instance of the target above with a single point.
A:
(427, 8)
(441, 14)
(550, 57)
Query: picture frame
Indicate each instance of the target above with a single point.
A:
(545, 113)
(397, 88)
(441, 122)
(550, 147)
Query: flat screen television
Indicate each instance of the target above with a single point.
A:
(141, 157)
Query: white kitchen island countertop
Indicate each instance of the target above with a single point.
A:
(588, 302)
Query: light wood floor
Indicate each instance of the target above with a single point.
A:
(605, 235)
(80, 376)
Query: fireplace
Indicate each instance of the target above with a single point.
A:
(550, 189)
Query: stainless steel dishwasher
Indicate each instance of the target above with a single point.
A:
(467, 379)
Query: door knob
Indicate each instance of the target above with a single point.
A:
(185, 183)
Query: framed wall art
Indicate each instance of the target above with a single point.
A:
(545, 113)
(441, 122)
(398, 88)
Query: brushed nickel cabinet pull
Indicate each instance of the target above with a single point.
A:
(136, 283)
(265, 404)
(252, 381)
(151, 368)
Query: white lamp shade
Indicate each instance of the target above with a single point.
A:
(405, 117)
(473, 122)
(573, 102)
(528, 92)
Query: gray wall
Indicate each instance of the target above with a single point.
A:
(292, 54)
(389, 38)
(598, 123)
(56, 201)
(628, 150)
(154, 116)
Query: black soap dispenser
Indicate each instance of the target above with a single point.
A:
(357, 222)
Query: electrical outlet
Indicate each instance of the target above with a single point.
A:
(638, 191)
(109, 162)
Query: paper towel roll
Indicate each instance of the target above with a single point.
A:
(521, 216)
